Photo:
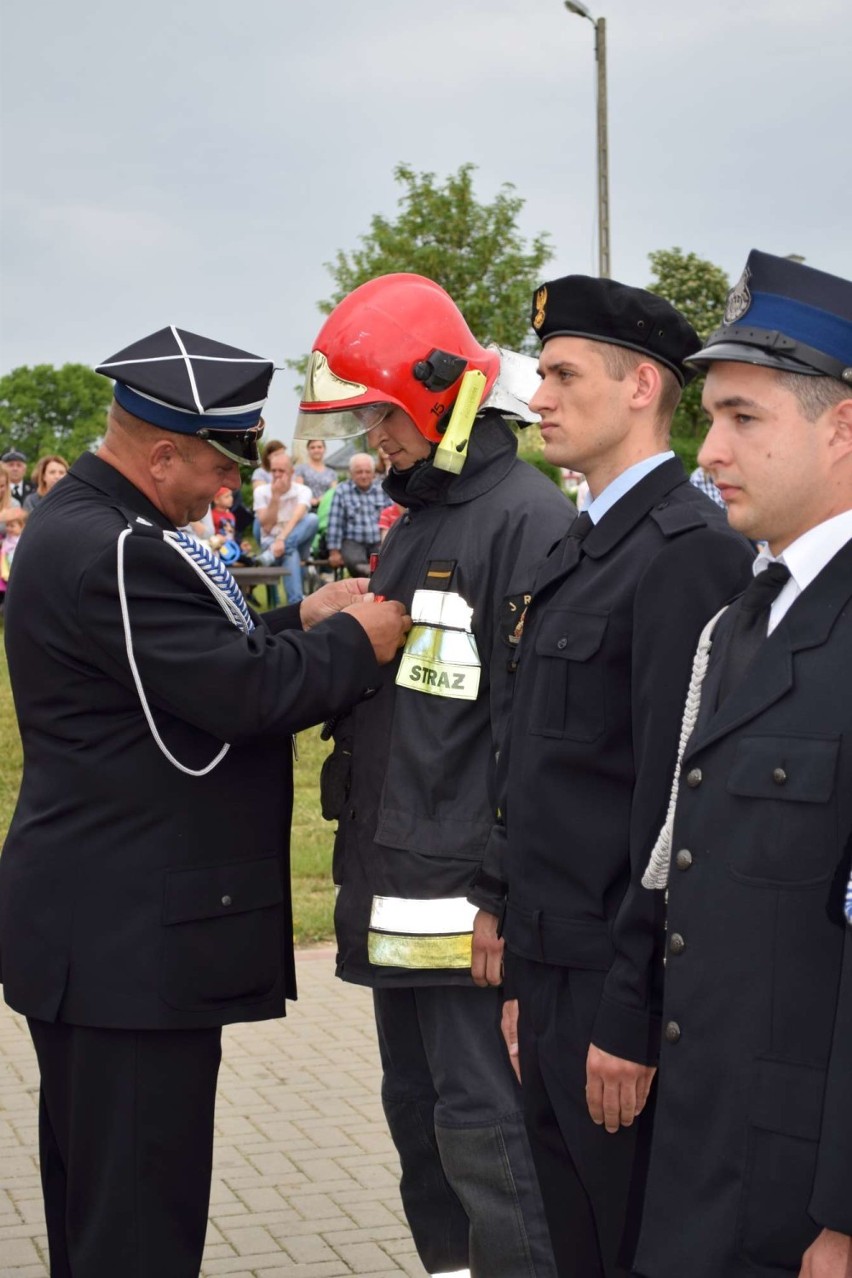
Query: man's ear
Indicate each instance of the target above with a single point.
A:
(163, 455)
(647, 382)
(840, 428)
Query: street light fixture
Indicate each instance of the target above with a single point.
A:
(573, 6)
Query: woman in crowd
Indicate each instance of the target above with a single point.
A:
(314, 473)
(48, 471)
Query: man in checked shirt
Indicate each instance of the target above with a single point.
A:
(353, 521)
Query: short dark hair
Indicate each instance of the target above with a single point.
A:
(815, 394)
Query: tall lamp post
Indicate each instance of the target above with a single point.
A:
(573, 6)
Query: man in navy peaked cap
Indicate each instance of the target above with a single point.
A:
(135, 918)
(751, 1165)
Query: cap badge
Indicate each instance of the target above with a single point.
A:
(540, 304)
(739, 299)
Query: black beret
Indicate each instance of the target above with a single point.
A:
(606, 311)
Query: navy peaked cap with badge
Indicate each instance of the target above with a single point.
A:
(785, 315)
(606, 311)
(192, 385)
(13, 455)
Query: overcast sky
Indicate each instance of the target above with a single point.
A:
(197, 161)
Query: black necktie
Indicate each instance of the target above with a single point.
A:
(571, 547)
(749, 629)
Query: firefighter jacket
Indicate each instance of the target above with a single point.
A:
(411, 779)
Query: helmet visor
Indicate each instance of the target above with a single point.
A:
(344, 423)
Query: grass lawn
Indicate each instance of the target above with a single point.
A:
(313, 895)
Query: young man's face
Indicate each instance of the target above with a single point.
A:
(771, 465)
(584, 422)
(399, 439)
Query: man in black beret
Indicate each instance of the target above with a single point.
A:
(602, 663)
(136, 918)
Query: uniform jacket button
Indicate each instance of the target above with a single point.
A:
(676, 943)
(562, 643)
(683, 860)
(694, 777)
(672, 1032)
(227, 900)
(779, 776)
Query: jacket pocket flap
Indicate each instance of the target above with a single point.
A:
(212, 891)
(573, 635)
(799, 769)
(788, 1099)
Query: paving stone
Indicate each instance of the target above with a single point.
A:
(305, 1180)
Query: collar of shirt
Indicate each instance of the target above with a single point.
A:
(805, 557)
(622, 484)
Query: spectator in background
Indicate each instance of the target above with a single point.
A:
(7, 497)
(388, 518)
(48, 471)
(221, 511)
(262, 474)
(314, 473)
(287, 525)
(12, 519)
(16, 464)
(353, 521)
(703, 480)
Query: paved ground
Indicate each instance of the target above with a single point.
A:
(305, 1176)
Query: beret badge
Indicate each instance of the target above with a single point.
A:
(540, 304)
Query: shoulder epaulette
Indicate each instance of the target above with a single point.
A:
(674, 518)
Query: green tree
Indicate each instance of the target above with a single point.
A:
(473, 250)
(52, 410)
(698, 289)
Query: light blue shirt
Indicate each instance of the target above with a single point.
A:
(622, 484)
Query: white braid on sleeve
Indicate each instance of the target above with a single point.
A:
(657, 872)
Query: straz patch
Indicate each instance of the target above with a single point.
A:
(438, 678)
(512, 613)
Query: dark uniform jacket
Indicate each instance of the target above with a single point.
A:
(604, 664)
(752, 1149)
(421, 802)
(131, 894)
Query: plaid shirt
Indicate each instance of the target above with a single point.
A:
(701, 480)
(354, 514)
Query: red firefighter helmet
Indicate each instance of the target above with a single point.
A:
(399, 340)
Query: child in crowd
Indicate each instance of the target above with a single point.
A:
(221, 510)
(14, 519)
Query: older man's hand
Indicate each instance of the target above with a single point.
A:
(330, 599)
(386, 624)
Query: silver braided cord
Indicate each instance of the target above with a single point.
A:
(657, 872)
(216, 577)
(229, 597)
